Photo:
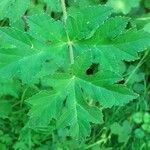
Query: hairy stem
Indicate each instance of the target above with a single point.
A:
(71, 51)
(63, 5)
(94, 144)
(70, 43)
(137, 67)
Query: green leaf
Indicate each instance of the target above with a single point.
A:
(54, 4)
(36, 8)
(25, 139)
(81, 62)
(146, 118)
(113, 37)
(83, 3)
(123, 6)
(13, 9)
(123, 131)
(71, 115)
(138, 117)
(147, 27)
(146, 127)
(116, 128)
(19, 60)
(8, 87)
(72, 103)
(48, 30)
(110, 37)
(139, 133)
(82, 25)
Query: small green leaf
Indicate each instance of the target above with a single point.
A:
(139, 133)
(123, 131)
(146, 127)
(146, 118)
(138, 117)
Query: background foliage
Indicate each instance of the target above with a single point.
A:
(106, 100)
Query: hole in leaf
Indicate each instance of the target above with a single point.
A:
(47, 88)
(103, 2)
(39, 84)
(52, 14)
(48, 42)
(67, 3)
(26, 27)
(88, 101)
(92, 69)
(47, 60)
(68, 127)
(82, 90)
(61, 70)
(129, 25)
(97, 104)
(53, 122)
(121, 82)
(45, 7)
(4, 22)
(64, 102)
(68, 138)
(8, 97)
(35, 2)
(148, 79)
(56, 15)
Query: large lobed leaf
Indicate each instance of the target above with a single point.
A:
(73, 101)
(87, 39)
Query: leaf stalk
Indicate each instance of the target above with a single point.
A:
(63, 5)
(70, 43)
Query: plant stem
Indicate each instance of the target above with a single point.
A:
(22, 97)
(94, 144)
(70, 43)
(63, 5)
(137, 67)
